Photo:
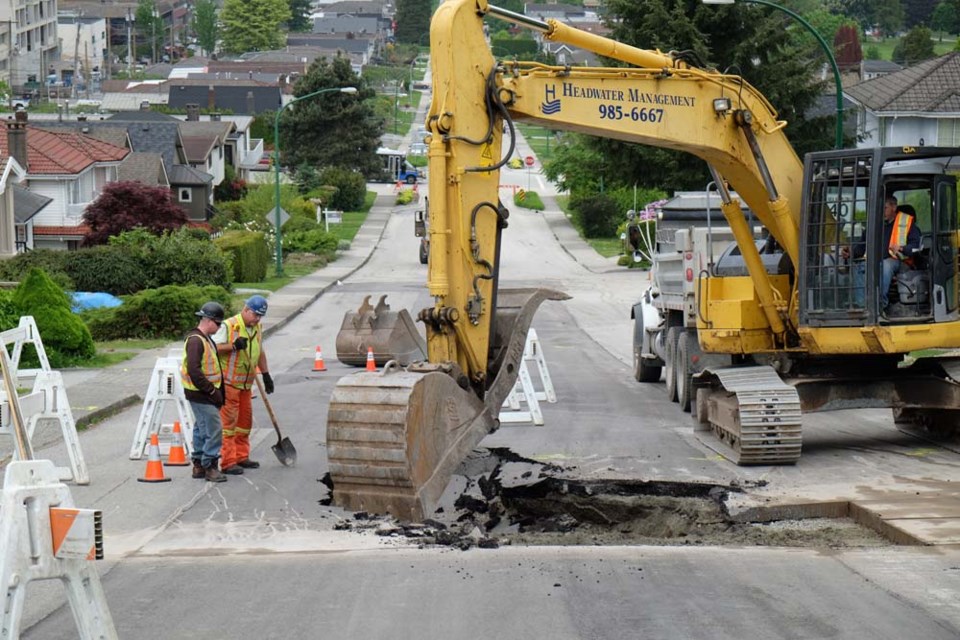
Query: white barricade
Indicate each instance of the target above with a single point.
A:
(43, 537)
(47, 399)
(524, 390)
(165, 388)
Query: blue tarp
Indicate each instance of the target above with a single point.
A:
(83, 300)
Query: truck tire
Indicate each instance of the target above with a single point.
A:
(411, 179)
(684, 371)
(643, 371)
(673, 333)
(424, 252)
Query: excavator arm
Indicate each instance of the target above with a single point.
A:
(395, 438)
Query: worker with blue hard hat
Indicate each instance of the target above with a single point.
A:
(240, 346)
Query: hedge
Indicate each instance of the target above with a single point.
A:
(249, 253)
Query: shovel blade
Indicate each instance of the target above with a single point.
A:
(285, 452)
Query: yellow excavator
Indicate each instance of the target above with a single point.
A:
(804, 332)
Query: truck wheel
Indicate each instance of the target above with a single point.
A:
(642, 370)
(673, 333)
(424, 253)
(411, 179)
(684, 373)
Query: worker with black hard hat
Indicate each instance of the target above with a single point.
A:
(202, 381)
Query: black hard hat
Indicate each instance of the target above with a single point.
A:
(212, 310)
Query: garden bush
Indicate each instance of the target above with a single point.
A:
(351, 188)
(299, 223)
(317, 241)
(66, 339)
(176, 258)
(167, 312)
(52, 262)
(249, 254)
(597, 215)
(114, 269)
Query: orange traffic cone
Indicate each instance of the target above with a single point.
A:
(177, 456)
(371, 363)
(318, 361)
(154, 466)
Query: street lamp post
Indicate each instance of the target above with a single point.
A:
(276, 163)
(156, 16)
(823, 44)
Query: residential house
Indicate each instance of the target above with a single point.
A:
(241, 152)
(70, 168)
(917, 106)
(344, 24)
(12, 172)
(870, 69)
(359, 8)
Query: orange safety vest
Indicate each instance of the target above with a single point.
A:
(899, 235)
(240, 367)
(210, 365)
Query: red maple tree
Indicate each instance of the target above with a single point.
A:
(123, 206)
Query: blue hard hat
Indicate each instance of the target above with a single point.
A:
(257, 304)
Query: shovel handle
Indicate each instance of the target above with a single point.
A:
(266, 403)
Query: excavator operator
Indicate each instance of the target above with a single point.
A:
(901, 237)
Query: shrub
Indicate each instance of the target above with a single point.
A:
(317, 241)
(597, 215)
(405, 196)
(52, 262)
(114, 269)
(65, 338)
(175, 258)
(9, 312)
(530, 200)
(249, 254)
(351, 188)
(299, 223)
(167, 312)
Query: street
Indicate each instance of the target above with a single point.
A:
(261, 557)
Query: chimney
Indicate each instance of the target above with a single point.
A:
(251, 104)
(211, 98)
(193, 113)
(17, 138)
(145, 105)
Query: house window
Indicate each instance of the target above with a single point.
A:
(186, 195)
(948, 132)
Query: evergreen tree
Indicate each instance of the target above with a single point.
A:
(253, 25)
(946, 17)
(412, 20)
(205, 25)
(918, 12)
(332, 129)
(889, 16)
(300, 16)
(914, 47)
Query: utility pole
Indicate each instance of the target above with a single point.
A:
(129, 43)
(76, 55)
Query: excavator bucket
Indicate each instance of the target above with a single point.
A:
(395, 437)
(391, 334)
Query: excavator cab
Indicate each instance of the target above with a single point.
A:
(843, 238)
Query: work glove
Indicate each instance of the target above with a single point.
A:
(240, 344)
(267, 383)
(217, 396)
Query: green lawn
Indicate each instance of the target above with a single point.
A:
(886, 46)
(540, 139)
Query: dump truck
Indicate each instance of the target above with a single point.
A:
(811, 335)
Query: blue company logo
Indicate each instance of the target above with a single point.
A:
(550, 105)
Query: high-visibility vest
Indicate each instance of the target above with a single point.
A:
(900, 234)
(240, 367)
(209, 365)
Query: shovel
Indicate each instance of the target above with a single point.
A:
(285, 451)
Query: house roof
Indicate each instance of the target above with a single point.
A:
(932, 86)
(210, 128)
(356, 7)
(183, 175)
(64, 152)
(350, 45)
(228, 97)
(143, 167)
(880, 66)
(67, 233)
(27, 204)
(198, 148)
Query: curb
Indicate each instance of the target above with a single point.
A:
(107, 411)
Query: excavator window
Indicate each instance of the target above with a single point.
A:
(838, 200)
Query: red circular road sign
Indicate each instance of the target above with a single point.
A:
(529, 160)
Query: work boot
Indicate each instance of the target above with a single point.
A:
(233, 470)
(249, 464)
(198, 471)
(213, 475)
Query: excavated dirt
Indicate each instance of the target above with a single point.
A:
(502, 499)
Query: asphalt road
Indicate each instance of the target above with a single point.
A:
(259, 557)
